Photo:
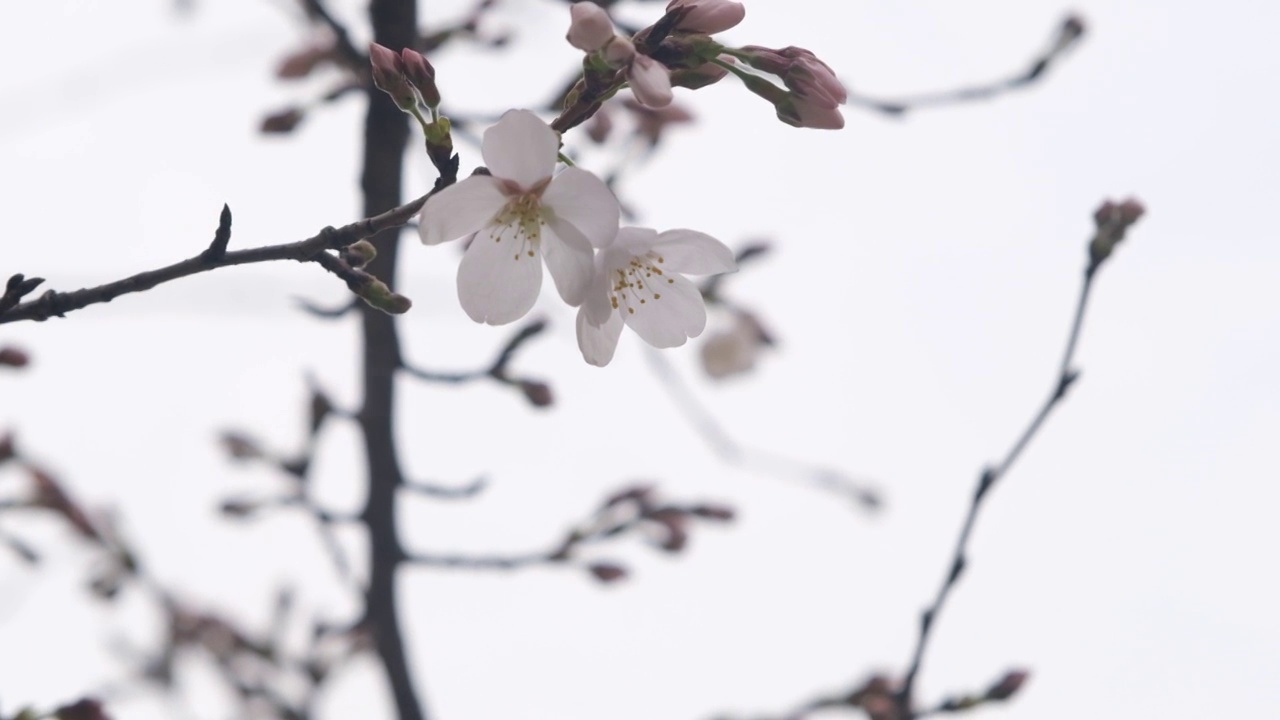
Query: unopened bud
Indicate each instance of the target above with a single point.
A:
(86, 709)
(359, 254)
(537, 393)
(723, 513)
(13, 357)
(300, 63)
(7, 451)
(238, 508)
(650, 81)
(699, 77)
(388, 72)
(1072, 29)
(282, 122)
(422, 75)
(589, 26)
(708, 16)
(1009, 685)
(620, 52)
(1112, 221)
(607, 572)
(378, 295)
(240, 447)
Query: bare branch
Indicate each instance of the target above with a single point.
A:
(313, 249)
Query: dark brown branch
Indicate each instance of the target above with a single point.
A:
(350, 53)
(313, 249)
(1066, 377)
(1069, 32)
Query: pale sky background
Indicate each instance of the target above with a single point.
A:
(924, 277)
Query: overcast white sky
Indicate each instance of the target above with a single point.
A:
(924, 277)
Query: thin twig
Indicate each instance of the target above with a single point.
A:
(1069, 32)
(58, 304)
(987, 480)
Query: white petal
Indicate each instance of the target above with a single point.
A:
(460, 209)
(689, 251)
(520, 148)
(632, 241)
(498, 281)
(597, 342)
(569, 258)
(650, 82)
(583, 200)
(671, 319)
(597, 304)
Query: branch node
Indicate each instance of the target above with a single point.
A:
(221, 237)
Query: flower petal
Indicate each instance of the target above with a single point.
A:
(460, 209)
(570, 259)
(669, 320)
(498, 280)
(583, 200)
(598, 342)
(650, 81)
(520, 148)
(597, 304)
(689, 251)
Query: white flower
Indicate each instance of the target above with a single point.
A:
(518, 213)
(638, 283)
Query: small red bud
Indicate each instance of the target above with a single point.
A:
(607, 572)
(1008, 685)
(13, 357)
(537, 393)
(282, 122)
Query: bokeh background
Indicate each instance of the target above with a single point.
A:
(924, 273)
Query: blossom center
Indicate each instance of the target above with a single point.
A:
(521, 221)
(638, 282)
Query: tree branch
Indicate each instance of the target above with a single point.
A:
(313, 249)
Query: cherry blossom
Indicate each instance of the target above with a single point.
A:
(638, 283)
(518, 214)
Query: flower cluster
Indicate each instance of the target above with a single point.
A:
(524, 213)
(678, 50)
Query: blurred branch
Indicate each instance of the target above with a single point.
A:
(313, 249)
(469, 490)
(1112, 221)
(537, 392)
(635, 509)
(317, 10)
(734, 453)
(1070, 30)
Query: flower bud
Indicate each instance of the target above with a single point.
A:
(239, 446)
(620, 52)
(13, 357)
(359, 254)
(708, 16)
(388, 70)
(1112, 221)
(378, 295)
(1008, 685)
(804, 113)
(422, 75)
(650, 81)
(607, 572)
(86, 709)
(537, 393)
(699, 77)
(590, 28)
(281, 122)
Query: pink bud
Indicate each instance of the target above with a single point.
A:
(13, 357)
(650, 81)
(619, 52)
(708, 16)
(537, 393)
(589, 26)
(281, 122)
(804, 113)
(422, 75)
(1008, 685)
(607, 572)
(300, 63)
(385, 63)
